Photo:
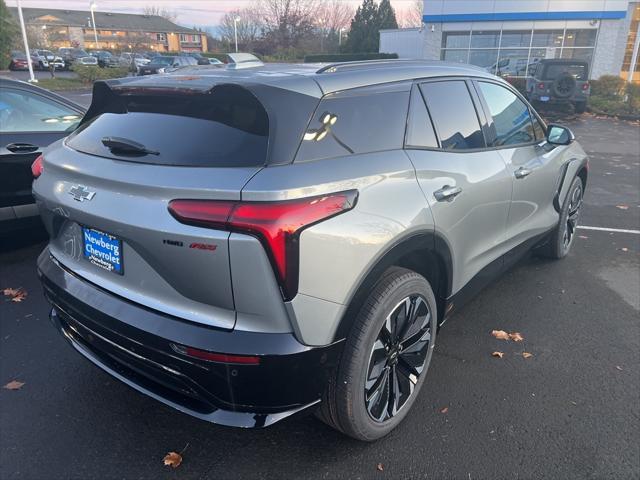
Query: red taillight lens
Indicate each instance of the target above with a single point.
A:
(37, 167)
(585, 86)
(277, 224)
(541, 86)
(216, 357)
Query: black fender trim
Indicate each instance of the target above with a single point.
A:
(429, 240)
(563, 177)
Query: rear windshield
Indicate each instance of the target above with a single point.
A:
(576, 70)
(225, 128)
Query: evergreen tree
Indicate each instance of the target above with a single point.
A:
(9, 34)
(386, 16)
(364, 36)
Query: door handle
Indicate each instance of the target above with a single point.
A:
(447, 193)
(522, 172)
(22, 147)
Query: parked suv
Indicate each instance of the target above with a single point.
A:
(166, 64)
(559, 81)
(300, 244)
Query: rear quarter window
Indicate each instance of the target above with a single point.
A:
(362, 120)
(228, 127)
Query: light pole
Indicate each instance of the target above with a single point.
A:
(92, 7)
(340, 37)
(32, 78)
(235, 30)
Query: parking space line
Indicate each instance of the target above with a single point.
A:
(613, 230)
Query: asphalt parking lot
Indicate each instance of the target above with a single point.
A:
(569, 411)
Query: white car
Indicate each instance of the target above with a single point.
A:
(89, 60)
(44, 58)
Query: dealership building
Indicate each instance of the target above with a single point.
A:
(507, 36)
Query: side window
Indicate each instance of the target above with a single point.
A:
(538, 129)
(419, 127)
(22, 111)
(453, 114)
(356, 121)
(511, 117)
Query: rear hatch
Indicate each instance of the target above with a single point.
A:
(105, 190)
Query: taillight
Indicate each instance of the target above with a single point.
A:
(541, 86)
(37, 167)
(216, 357)
(585, 86)
(276, 224)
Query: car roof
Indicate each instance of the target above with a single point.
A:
(10, 82)
(315, 79)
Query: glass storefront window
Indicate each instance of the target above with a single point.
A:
(547, 38)
(631, 40)
(455, 40)
(585, 54)
(580, 38)
(480, 39)
(512, 63)
(516, 39)
(459, 56)
(484, 58)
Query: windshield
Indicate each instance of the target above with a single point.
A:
(576, 70)
(163, 60)
(80, 53)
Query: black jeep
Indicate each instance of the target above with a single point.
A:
(559, 81)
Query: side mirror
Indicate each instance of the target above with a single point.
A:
(559, 135)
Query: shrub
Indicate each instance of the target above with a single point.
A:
(90, 73)
(633, 97)
(608, 86)
(347, 57)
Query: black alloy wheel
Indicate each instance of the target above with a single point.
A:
(398, 358)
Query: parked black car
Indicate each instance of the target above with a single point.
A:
(105, 58)
(559, 81)
(166, 64)
(31, 118)
(199, 58)
(75, 55)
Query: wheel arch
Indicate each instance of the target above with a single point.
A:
(570, 170)
(427, 253)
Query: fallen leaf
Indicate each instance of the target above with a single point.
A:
(498, 354)
(623, 207)
(10, 292)
(583, 236)
(19, 297)
(14, 385)
(500, 334)
(624, 249)
(444, 410)
(527, 354)
(516, 337)
(173, 459)
(618, 367)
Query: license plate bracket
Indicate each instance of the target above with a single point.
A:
(102, 250)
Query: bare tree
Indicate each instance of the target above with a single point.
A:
(331, 17)
(249, 28)
(411, 16)
(158, 11)
(287, 22)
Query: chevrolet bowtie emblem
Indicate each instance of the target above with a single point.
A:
(81, 193)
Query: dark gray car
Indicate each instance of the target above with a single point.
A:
(246, 243)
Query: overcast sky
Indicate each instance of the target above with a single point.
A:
(190, 12)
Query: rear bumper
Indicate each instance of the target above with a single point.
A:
(133, 344)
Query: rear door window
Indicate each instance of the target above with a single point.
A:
(226, 128)
(362, 120)
(454, 115)
(420, 133)
(512, 123)
(575, 70)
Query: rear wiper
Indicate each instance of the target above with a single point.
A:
(126, 146)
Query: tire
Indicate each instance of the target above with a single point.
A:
(580, 107)
(561, 239)
(365, 363)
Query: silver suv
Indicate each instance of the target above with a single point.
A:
(246, 244)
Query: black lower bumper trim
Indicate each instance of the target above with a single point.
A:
(133, 344)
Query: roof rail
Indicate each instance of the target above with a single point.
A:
(336, 67)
